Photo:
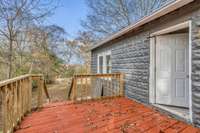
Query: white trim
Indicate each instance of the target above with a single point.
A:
(152, 97)
(103, 54)
(190, 70)
(152, 94)
(171, 29)
(163, 11)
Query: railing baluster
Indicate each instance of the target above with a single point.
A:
(116, 87)
(30, 93)
(40, 89)
(18, 102)
(111, 86)
(75, 88)
(20, 99)
(90, 88)
(122, 84)
(15, 102)
(86, 88)
(81, 88)
(11, 103)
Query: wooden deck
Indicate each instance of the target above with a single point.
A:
(108, 115)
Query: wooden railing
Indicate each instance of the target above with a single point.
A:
(16, 97)
(96, 86)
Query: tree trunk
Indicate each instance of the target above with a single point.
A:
(10, 59)
(31, 67)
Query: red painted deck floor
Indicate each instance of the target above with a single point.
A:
(118, 115)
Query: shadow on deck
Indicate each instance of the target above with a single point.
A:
(106, 115)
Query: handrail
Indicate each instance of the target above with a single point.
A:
(16, 96)
(95, 86)
(8, 81)
(98, 75)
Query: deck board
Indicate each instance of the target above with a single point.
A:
(109, 115)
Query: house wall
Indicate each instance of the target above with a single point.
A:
(196, 70)
(130, 55)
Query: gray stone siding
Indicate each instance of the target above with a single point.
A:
(131, 57)
(196, 70)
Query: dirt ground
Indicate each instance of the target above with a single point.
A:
(58, 91)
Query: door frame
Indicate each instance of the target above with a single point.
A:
(152, 77)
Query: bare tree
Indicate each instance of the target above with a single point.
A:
(85, 40)
(108, 16)
(16, 16)
(143, 8)
(49, 50)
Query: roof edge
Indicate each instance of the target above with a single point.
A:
(163, 11)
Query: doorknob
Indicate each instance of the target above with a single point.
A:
(188, 76)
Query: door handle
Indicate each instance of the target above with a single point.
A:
(188, 76)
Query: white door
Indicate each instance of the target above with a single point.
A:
(172, 70)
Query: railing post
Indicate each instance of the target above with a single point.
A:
(19, 105)
(74, 88)
(30, 93)
(40, 89)
(4, 110)
(122, 84)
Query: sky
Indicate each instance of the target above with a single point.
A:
(68, 15)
